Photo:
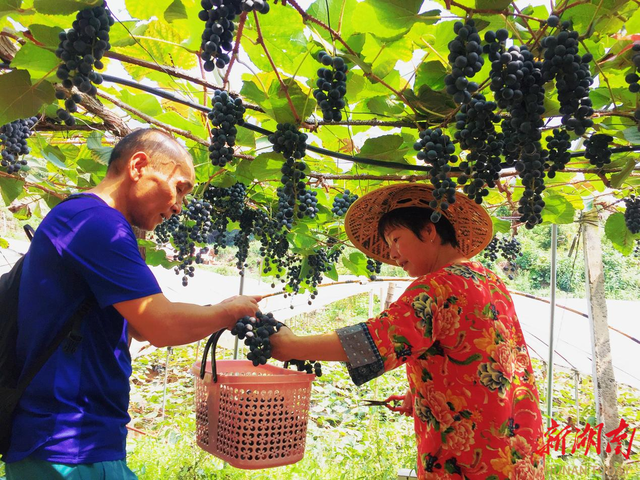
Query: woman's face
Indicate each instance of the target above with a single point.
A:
(416, 257)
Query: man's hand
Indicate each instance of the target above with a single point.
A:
(281, 344)
(406, 407)
(241, 306)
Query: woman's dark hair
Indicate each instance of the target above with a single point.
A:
(415, 219)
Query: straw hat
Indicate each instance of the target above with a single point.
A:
(471, 222)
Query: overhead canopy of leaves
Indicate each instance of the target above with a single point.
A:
(397, 56)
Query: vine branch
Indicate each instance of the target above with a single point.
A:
(174, 72)
(34, 185)
(151, 120)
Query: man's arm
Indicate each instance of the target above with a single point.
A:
(164, 323)
(285, 345)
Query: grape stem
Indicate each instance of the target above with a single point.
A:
(306, 17)
(236, 48)
(285, 89)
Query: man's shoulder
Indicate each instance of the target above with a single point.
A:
(86, 206)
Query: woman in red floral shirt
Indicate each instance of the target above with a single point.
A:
(471, 388)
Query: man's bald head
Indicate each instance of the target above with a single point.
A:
(159, 146)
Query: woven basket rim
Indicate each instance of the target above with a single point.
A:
(471, 222)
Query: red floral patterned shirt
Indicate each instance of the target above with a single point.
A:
(476, 406)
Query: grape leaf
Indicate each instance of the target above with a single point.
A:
(10, 188)
(63, 7)
(45, 34)
(557, 209)
(10, 5)
(616, 230)
(19, 98)
(40, 62)
(175, 11)
(500, 226)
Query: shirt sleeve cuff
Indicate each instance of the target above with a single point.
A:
(364, 360)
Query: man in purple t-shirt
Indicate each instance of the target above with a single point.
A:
(71, 421)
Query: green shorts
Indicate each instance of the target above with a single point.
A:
(36, 469)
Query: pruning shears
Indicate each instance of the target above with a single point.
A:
(390, 403)
(395, 403)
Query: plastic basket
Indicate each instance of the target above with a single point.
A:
(251, 417)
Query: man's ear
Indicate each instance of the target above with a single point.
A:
(137, 164)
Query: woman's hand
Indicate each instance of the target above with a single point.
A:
(281, 344)
(406, 407)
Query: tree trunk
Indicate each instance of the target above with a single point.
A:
(605, 388)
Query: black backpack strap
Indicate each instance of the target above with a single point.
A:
(67, 329)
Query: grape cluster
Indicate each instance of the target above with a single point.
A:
(558, 145)
(633, 79)
(294, 192)
(516, 79)
(81, 49)
(309, 366)
(476, 132)
(229, 204)
(465, 57)
(332, 86)
(260, 6)
(436, 148)
(255, 331)
(597, 149)
(306, 274)
(571, 72)
(509, 248)
(342, 202)
(197, 227)
(374, 266)
(632, 214)
(317, 264)
(217, 37)
(13, 140)
(491, 251)
(165, 230)
(225, 115)
(289, 141)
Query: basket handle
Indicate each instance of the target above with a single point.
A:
(213, 341)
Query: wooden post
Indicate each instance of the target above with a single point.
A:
(390, 292)
(605, 388)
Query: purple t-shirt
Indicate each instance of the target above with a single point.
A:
(75, 409)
